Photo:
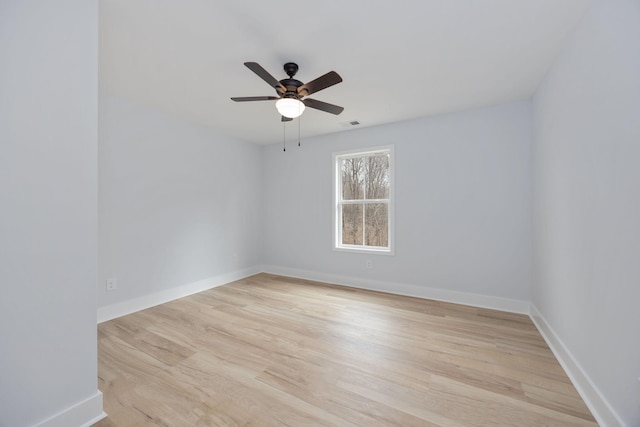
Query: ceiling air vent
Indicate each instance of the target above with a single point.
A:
(349, 124)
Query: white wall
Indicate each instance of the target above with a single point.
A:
(587, 201)
(179, 204)
(463, 212)
(48, 212)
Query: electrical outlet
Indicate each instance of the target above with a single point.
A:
(112, 284)
(368, 264)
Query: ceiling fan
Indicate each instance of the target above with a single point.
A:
(291, 100)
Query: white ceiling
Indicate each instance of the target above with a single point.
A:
(399, 60)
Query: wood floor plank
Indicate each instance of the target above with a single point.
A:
(277, 351)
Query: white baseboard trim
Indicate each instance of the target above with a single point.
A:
(136, 304)
(82, 414)
(484, 301)
(594, 399)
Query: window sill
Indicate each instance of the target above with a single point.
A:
(363, 250)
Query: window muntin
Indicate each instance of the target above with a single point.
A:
(363, 220)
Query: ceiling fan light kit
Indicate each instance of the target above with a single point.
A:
(290, 107)
(290, 101)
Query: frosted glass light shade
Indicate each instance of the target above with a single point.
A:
(290, 107)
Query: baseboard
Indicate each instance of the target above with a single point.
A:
(136, 304)
(594, 399)
(82, 414)
(484, 301)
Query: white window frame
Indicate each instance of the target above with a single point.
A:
(337, 201)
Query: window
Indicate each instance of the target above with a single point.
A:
(363, 197)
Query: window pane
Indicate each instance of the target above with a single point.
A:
(377, 172)
(363, 198)
(353, 178)
(376, 227)
(352, 224)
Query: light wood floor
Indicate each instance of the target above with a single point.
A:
(275, 351)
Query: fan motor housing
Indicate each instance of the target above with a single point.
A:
(291, 85)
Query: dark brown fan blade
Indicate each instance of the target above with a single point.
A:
(322, 82)
(255, 98)
(264, 75)
(286, 119)
(319, 105)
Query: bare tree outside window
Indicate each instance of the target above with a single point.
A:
(364, 199)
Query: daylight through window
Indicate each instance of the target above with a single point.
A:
(363, 200)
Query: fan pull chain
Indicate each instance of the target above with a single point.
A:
(299, 118)
(284, 136)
